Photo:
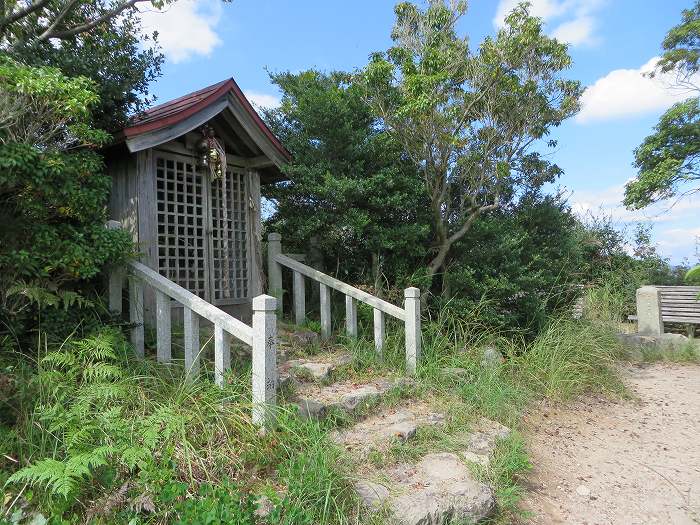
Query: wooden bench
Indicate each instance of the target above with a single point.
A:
(657, 305)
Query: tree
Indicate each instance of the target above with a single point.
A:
(53, 195)
(668, 159)
(349, 184)
(469, 119)
(115, 54)
(30, 22)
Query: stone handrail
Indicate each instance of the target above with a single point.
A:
(261, 336)
(410, 314)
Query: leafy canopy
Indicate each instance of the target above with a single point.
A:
(349, 184)
(469, 119)
(667, 160)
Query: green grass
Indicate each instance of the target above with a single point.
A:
(204, 457)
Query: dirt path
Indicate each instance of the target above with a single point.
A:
(627, 462)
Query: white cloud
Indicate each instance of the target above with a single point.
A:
(576, 32)
(676, 223)
(627, 92)
(185, 28)
(571, 21)
(262, 100)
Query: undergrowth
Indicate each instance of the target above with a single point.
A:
(94, 435)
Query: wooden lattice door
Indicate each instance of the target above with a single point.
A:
(202, 230)
(229, 238)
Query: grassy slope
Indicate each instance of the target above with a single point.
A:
(147, 447)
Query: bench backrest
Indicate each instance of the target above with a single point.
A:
(680, 304)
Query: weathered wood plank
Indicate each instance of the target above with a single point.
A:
(255, 249)
(348, 290)
(230, 324)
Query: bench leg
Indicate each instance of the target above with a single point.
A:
(691, 331)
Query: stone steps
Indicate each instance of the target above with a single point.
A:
(316, 400)
(380, 430)
(437, 488)
(318, 368)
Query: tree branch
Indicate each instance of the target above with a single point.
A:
(93, 23)
(59, 18)
(26, 11)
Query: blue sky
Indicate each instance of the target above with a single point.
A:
(611, 41)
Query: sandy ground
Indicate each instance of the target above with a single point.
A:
(620, 462)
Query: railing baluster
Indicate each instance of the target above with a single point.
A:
(264, 359)
(222, 354)
(413, 333)
(191, 322)
(351, 316)
(379, 331)
(274, 269)
(116, 283)
(136, 315)
(325, 296)
(163, 327)
(299, 298)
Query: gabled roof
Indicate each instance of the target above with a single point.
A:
(160, 123)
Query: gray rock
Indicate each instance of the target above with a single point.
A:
(264, 507)
(311, 409)
(438, 489)
(353, 400)
(483, 441)
(318, 371)
(380, 430)
(491, 356)
(303, 338)
(371, 494)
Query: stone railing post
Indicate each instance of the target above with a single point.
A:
(274, 269)
(116, 278)
(413, 331)
(264, 359)
(649, 321)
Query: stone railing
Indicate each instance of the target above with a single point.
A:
(409, 314)
(261, 336)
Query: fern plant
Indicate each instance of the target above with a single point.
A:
(85, 398)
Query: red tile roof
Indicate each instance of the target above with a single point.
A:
(174, 111)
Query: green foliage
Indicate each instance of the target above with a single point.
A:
(479, 111)
(682, 44)
(116, 55)
(667, 160)
(350, 187)
(219, 504)
(521, 264)
(52, 241)
(41, 106)
(693, 275)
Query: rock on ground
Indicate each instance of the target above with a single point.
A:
(399, 423)
(346, 396)
(437, 489)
